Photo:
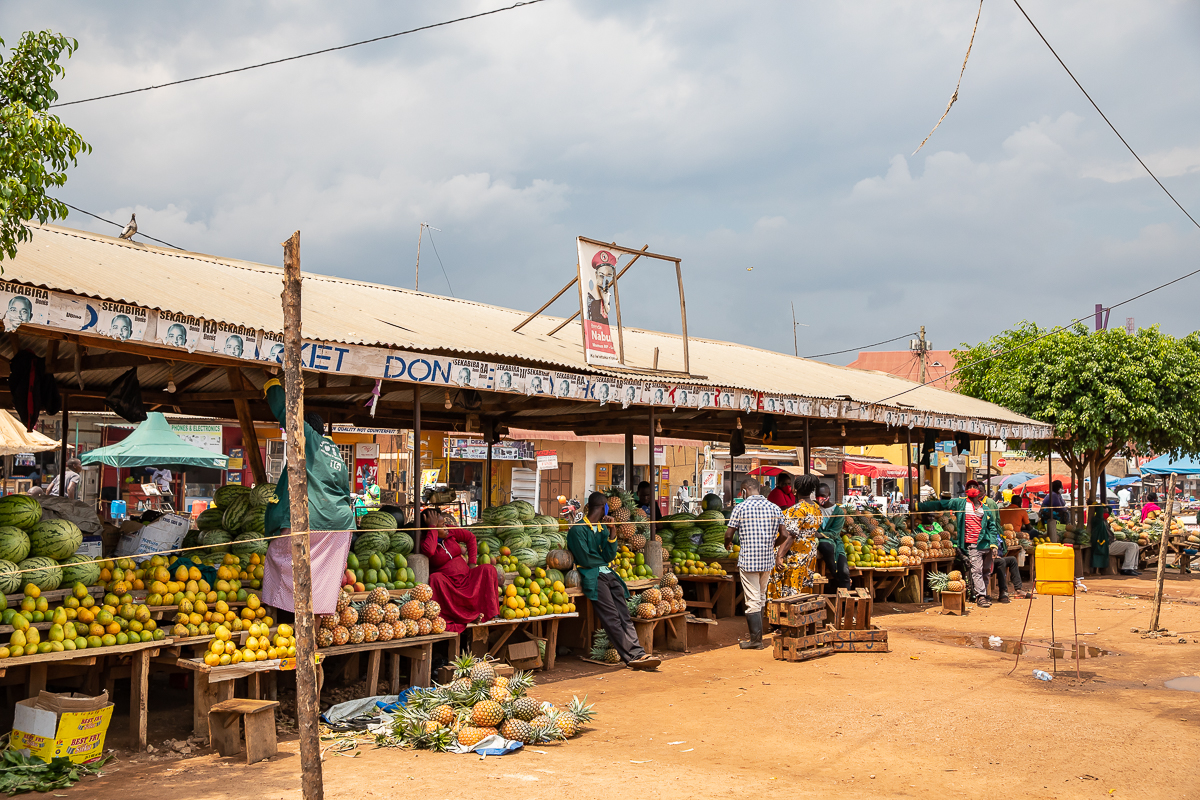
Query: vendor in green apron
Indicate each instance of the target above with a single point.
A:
(829, 538)
(978, 534)
(1104, 544)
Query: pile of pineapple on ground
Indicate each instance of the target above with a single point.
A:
(379, 618)
(477, 704)
(874, 540)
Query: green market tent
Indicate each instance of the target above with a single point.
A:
(154, 444)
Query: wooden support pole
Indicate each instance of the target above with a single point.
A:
(653, 478)
(307, 708)
(249, 435)
(561, 291)
(489, 433)
(683, 317)
(62, 462)
(807, 454)
(909, 480)
(564, 324)
(630, 486)
(1162, 554)
(417, 455)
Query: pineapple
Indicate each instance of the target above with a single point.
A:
(487, 714)
(356, 634)
(391, 612)
(620, 515)
(525, 708)
(412, 610)
(324, 637)
(343, 602)
(329, 621)
(341, 635)
(483, 671)
(646, 611)
(652, 596)
(349, 616)
(500, 694)
(463, 665)
(386, 632)
(443, 715)
(576, 714)
(938, 581)
(439, 625)
(378, 596)
(662, 609)
(371, 613)
(517, 730)
(637, 542)
(954, 575)
(615, 502)
(410, 628)
(602, 649)
(370, 632)
(432, 609)
(470, 736)
(424, 627)
(422, 593)
(668, 580)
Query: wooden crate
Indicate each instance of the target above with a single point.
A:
(790, 648)
(873, 640)
(954, 603)
(790, 612)
(852, 610)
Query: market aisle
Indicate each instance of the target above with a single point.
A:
(931, 718)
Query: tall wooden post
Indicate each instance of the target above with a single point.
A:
(630, 486)
(1162, 553)
(653, 478)
(417, 456)
(807, 453)
(62, 461)
(307, 709)
(249, 435)
(489, 433)
(908, 481)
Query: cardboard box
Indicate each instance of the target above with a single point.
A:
(165, 533)
(71, 725)
(525, 655)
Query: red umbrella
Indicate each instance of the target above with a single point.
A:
(767, 469)
(1042, 484)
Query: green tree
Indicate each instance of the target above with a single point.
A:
(1106, 393)
(35, 146)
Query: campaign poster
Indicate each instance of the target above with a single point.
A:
(104, 318)
(679, 396)
(707, 397)
(605, 391)
(566, 385)
(655, 395)
(24, 304)
(271, 348)
(772, 404)
(538, 382)
(747, 402)
(791, 406)
(597, 272)
(630, 393)
(236, 341)
(508, 379)
(473, 374)
(727, 399)
(179, 330)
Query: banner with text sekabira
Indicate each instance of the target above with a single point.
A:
(597, 271)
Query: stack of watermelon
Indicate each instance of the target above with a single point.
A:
(39, 552)
(712, 526)
(235, 523)
(378, 554)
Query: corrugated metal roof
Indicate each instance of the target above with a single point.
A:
(340, 310)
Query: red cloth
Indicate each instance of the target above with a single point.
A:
(781, 498)
(972, 522)
(1146, 509)
(464, 592)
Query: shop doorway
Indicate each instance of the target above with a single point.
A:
(554, 483)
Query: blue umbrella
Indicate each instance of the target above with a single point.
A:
(1016, 479)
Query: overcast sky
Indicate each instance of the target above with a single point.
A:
(767, 144)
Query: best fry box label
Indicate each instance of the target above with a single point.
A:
(78, 736)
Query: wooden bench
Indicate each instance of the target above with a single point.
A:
(225, 730)
(670, 631)
(545, 627)
(712, 603)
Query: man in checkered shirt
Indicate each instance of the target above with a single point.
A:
(757, 521)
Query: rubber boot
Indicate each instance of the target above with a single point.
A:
(754, 622)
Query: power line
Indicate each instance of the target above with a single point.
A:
(119, 225)
(443, 266)
(864, 347)
(1074, 322)
(302, 55)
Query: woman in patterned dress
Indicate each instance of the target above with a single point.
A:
(793, 561)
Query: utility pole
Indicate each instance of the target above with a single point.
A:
(420, 235)
(795, 338)
(921, 348)
(307, 711)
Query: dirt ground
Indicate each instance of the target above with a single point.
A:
(938, 715)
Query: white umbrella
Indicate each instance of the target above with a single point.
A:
(15, 439)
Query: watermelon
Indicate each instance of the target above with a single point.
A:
(400, 543)
(209, 519)
(42, 572)
(10, 578)
(712, 502)
(226, 494)
(191, 539)
(55, 539)
(524, 510)
(248, 543)
(264, 494)
(20, 511)
(377, 521)
(711, 552)
(80, 569)
(231, 520)
(216, 541)
(371, 542)
(553, 575)
(255, 520)
(525, 556)
(14, 544)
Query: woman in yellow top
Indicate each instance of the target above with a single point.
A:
(793, 560)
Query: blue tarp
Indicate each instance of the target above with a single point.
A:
(1163, 465)
(1132, 480)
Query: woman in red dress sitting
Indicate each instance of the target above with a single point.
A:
(466, 592)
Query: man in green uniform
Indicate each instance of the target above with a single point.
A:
(330, 517)
(594, 545)
(829, 538)
(978, 534)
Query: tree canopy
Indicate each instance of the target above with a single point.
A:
(1105, 392)
(36, 148)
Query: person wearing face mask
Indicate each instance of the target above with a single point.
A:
(978, 534)
(1105, 545)
(830, 545)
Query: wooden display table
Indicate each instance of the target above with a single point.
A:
(417, 649)
(214, 685)
(544, 627)
(669, 632)
(716, 595)
(588, 613)
(96, 664)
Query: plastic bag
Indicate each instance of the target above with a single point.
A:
(125, 397)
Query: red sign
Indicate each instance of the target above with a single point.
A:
(1001, 462)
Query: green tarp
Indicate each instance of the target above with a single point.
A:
(154, 444)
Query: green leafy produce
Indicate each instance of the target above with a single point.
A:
(20, 774)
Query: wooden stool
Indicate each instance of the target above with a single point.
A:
(225, 732)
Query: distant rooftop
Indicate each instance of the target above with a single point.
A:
(904, 364)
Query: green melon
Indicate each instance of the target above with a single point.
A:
(264, 494)
(42, 572)
(80, 569)
(377, 521)
(19, 511)
(209, 519)
(712, 502)
(255, 520)
(225, 495)
(55, 538)
(400, 542)
(372, 542)
(10, 578)
(231, 520)
(216, 541)
(248, 543)
(14, 544)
